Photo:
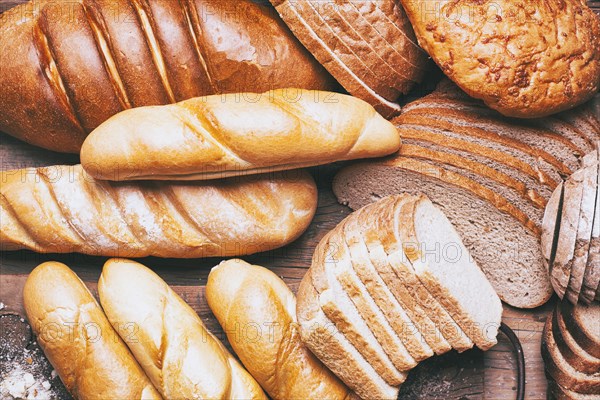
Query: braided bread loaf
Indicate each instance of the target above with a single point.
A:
(244, 133)
(60, 210)
(67, 66)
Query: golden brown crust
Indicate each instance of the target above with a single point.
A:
(525, 60)
(61, 209)
(82, 346)
(68, 66)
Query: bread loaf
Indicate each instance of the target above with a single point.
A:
(181, 357)
(247, 133)
(365, 45)
(258, 312)
(524, 60)
(355, 277)
(61, 209)
(67, 66)
(80, 343)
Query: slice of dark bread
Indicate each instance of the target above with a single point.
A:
(557, 392)
(492, 229)
(583, 323)
(560, 370)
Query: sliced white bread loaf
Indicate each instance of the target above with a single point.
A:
(561, 371)
(329, 261)
(388, 219)
(333, 348)
(396, 316)
(443, 264)
(591, 278)
(493, 230)
(580, 359)
(583, 322)
(584, 228)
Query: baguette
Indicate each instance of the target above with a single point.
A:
(181, 357)
(549, 52)
(80, 343)
(225, 135)
(244, 297)
(69, 66)
(61, 209)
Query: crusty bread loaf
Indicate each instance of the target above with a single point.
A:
(354, 275)
(549, 52)
(69, 66)
(551, 225)
(61, 209)
(181, 357)
(82, 346)
(224, 135)
(591, 278)
(245, 297)
(369, 52)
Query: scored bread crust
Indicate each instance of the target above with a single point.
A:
(390, 221)
(560, 370)
(334, 349)
(537, 47)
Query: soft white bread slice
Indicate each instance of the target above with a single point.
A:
(418, 322)
(560, 270)
(560, 370)
(333, 348)
(580, 359)
(551, 225)
(393, 243)
(393, 312)
(584, 324)
(179, 355)
(329, 261)
(353, 283)
(444, 265)
(246, 296)
(591, 279)
(584, 228)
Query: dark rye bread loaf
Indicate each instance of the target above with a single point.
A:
(372, 54)
(584, 324)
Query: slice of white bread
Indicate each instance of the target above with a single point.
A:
(329, 261)
(591, 278)
(354, 230)
(584, 324)
(580, 359)
(494, 231)
(561, 371)
(333, 348)
(584, 228)
(443, 264)
(389, 235)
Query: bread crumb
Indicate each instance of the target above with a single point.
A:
(2, 306)
(18, 384)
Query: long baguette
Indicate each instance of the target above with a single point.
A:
(67, 66)
(258, 312)
(79, 341)
(237, 134)
(61, 209)
(181, 357)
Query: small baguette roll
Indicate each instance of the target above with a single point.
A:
(236, 134)
(181, 357)
(258, 312)
(82, 346)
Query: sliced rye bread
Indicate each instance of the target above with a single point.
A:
(557, 392)
(494, 231)
(560, 370)
(368, 309)
(591, 279)
(583, 323)
(585, 119)
(393, 312)
(420, 323)
(334, 350)
(551, 225)
(571, 351)
(387, 17)
(560, 269)
(389, 236)
(565, 129)
(339, 308)
(584, 228)
(444, 266)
